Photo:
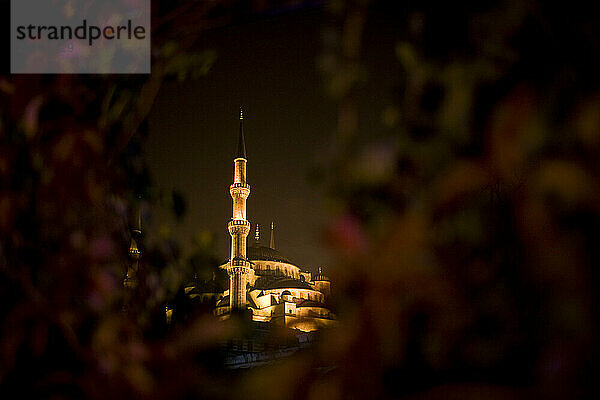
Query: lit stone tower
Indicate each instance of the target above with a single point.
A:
(239, 227)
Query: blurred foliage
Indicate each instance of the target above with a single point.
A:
(466, 232)
(468, 226)
(72, 179)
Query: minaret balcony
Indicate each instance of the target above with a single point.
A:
(135, 253)
(238, 270)
(236, 222)
(239, 264)
(240, 189)
(236, 226)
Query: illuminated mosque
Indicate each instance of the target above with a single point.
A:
(261, 279)
(263, 283)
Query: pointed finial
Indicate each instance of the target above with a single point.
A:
(257, 236)
(272, 244)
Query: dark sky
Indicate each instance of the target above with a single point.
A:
(268, 66)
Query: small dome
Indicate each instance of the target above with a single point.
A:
(286, 296)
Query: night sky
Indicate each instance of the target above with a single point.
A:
(269, 67)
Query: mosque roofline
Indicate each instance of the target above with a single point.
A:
(226, 301)
(310, 303)
(283, 282)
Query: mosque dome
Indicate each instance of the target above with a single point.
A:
(256, 252)
(283, 282)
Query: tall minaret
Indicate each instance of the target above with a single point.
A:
(239, 227)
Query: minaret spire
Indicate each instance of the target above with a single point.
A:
(272, 244)
(239, 227)
(241, 149)
(257, 235)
